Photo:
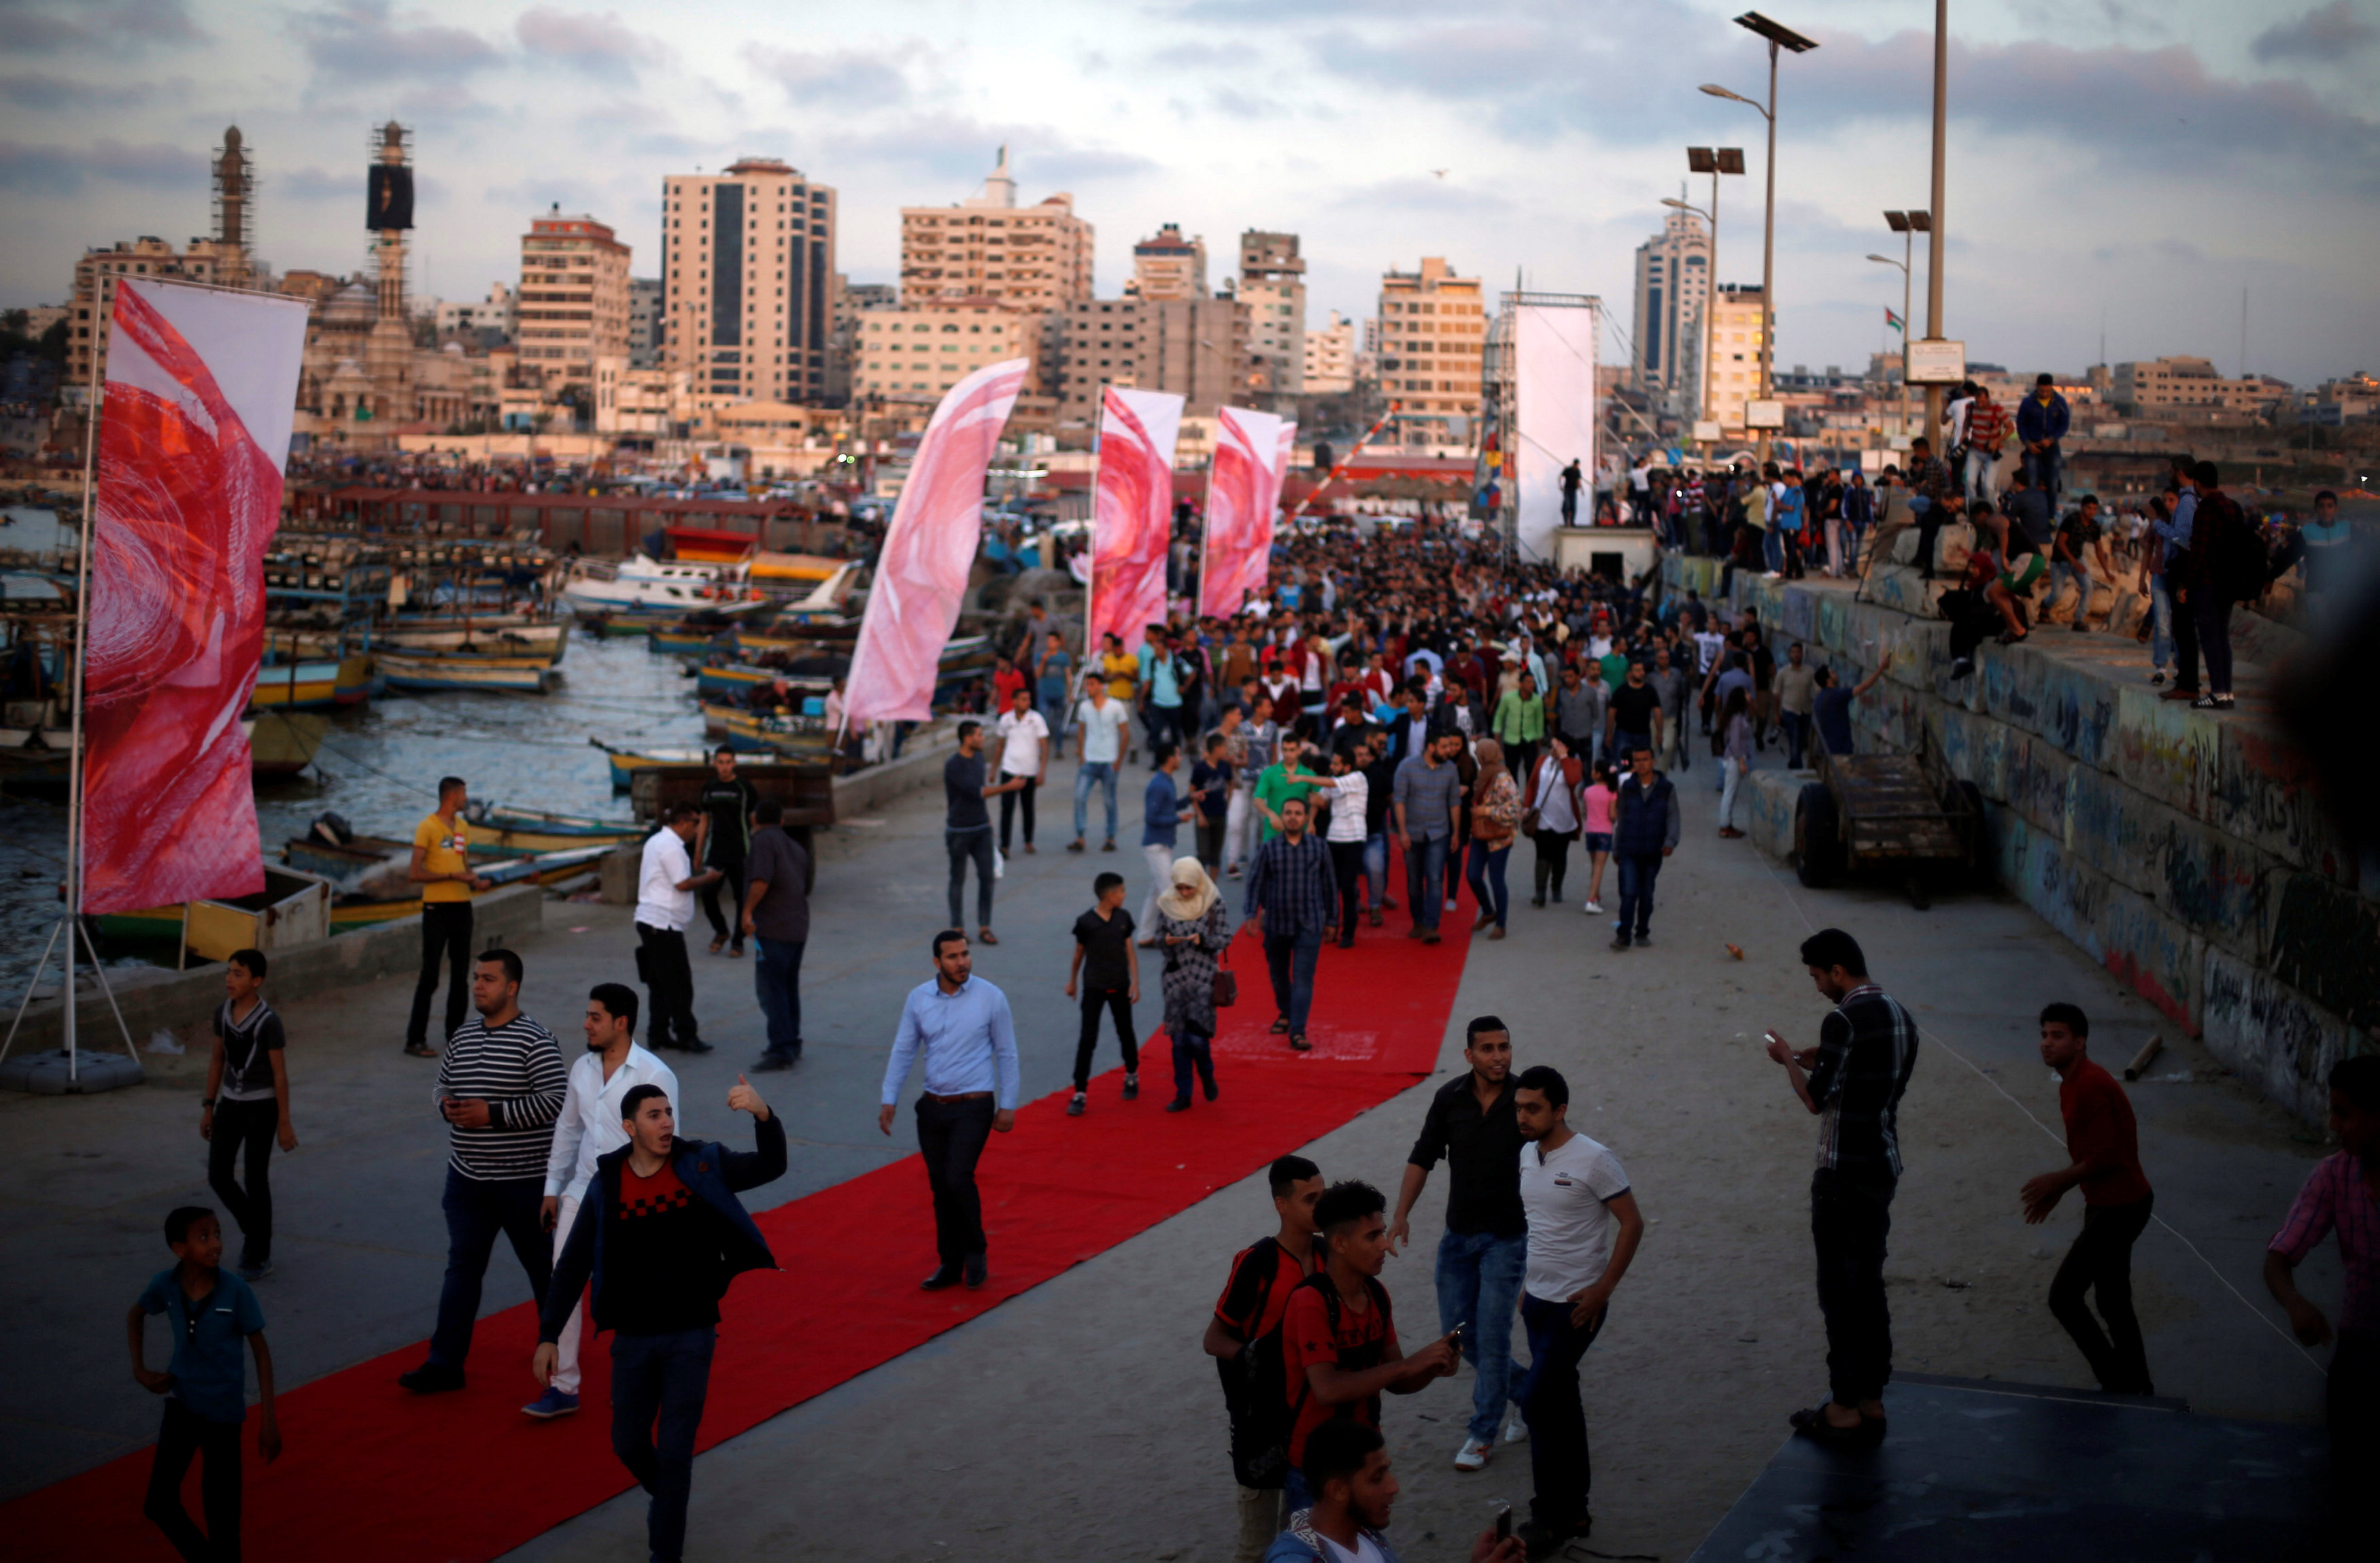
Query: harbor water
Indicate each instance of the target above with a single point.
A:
(379, 766)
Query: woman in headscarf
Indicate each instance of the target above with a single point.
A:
(1193, 929)
(1495, 821)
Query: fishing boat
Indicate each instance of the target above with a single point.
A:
(372, 887)
(753, 732)
(624, 624)
(313, 683)
(733, 679)
(514, 636)
(493, 825)
(711, 545)
(642, 583)
(529, 675)
(293, 909)
(681, 638)
(281, 743)
(342, 861)
(626, 764)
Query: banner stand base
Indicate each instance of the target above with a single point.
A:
(53, 1073)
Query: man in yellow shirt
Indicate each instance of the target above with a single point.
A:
(441, 866)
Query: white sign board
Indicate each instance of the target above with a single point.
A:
(1936, 362)
(1554, 388)
(1706, 431)
(1764, 415)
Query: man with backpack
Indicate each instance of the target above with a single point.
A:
(1243, 1336)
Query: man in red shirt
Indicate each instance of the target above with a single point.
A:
(2103, 1158)
(1243, 1336)
(1339, 1336)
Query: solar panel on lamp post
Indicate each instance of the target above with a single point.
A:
(1779, 37)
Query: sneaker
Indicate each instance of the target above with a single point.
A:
(550, 1404)
(1516, 1428)
(1107, 846)
(254, 1273)
(1076, 845)
(1076, 1104)
(1593, 905)
(2157, 680)
(1132, 1088)
(1473, 1456)
(1963, 666)
(1233, 871)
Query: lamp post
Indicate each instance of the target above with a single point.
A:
(1714, 162)
(1778, 37)
(1934, 212)
(1907, 224)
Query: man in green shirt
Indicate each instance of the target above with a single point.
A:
(1519, 726)
(1615, 663)
(1284, 779)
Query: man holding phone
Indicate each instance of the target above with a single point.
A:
(1853, 1081)
(1583, 1228)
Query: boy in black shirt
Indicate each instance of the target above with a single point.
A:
(727, 801)
(1210, 789)
(1107, 966)
(246, 1108)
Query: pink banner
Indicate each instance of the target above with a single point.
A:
(1241, 488)
(201, 395)
(1132, 519)
(921, 576)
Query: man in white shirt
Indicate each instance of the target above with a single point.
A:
(1583, 1228)
(1099, 724)
(590, 1124)
(1024, 753)
(665, 886)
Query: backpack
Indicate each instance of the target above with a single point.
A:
(1356, 1360)
(1256, 1391)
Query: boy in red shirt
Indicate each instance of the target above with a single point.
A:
(2103, 1152)
(1339, 1336)
(1243, 1336)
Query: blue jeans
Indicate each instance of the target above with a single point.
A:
(1290, 958)
(659, 1383)
(1426, 879)
(1797, 736)
(1375, 871)
(1637, 873)
(776, 982)
(2060, 572)
(1050, 698)
(2042, 471)
(1103, 772)
(1478, 1277)
(1557, 1416)
(1772, 548)
(1624, 744)
(2161, 634)
(1192, 1053)
(478, 1210)
(1486, 880)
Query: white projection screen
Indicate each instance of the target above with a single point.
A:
(1554, 397)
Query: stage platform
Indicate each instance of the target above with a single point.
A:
(1977, 1469)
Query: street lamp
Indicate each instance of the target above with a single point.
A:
(1908, 224)
(1713, 161)
(1779, 37)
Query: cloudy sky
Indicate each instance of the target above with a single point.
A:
(2114, 165)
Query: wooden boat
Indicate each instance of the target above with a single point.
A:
(751, 732)
(478, 638)
(624, 623)
(735, 678)
(682, 639)
(626, 763)
(711, 545)
(490, 825)
(281, 743)
(529, 675)
(792, 568)
(311, 683)
(360, 909)
(293, 909)
(342, 861)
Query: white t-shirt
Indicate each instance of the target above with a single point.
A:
(1566, 1197)
(1021, 738)
(659, 902)
(1706, 648)
(1364, 1551)
(1102, 727)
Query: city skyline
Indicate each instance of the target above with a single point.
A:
(2143, 167)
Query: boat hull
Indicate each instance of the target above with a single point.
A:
(423, 674)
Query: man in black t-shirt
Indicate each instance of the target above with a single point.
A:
(1632, 720)
(1107, 967)
(726, 801)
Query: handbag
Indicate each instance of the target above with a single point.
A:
(1225, 989)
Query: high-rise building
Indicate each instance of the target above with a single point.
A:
(1037, 259)
(1672, 285)
(917, 352)
(1197, 347)
(1331, 358)
(748, 280)
(644, 323)
(1735, 353)
(1272, 285)
(1169, 266)
(574, 297)
(1433, 337)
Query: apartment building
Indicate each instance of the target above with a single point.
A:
(1169, 266)
(573, 305)
(1035, 259)
(918, 351)
(1433, 336)
(747, 274)
(1272, 285)
(1331, 358)
(1197, 347)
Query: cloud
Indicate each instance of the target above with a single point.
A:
(2323, 36)
(62, 170)
(42, 91)
(848, 78)
(600, 46)
(359, 40)
(311, 184)
(115, 26)
(1423, 197)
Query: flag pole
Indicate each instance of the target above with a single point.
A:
(1207, 515)
(93, 394)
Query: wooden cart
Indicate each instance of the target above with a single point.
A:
(806, 788)
(1903, 814)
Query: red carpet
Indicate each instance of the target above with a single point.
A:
(370, 1472)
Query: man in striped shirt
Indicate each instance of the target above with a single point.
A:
(1853, 1080)
(501, 1085)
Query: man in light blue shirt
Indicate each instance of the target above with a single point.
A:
(959, 1028)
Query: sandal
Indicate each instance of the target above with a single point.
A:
(1281, 1026)
(718, 944)
(986, 936)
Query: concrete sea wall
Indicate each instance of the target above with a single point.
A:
(2185, 850)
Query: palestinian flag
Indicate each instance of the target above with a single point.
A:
(1895, 321)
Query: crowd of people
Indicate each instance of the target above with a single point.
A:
(1389, 722)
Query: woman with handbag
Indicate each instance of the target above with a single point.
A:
(1551, 818)
(1495, 821)
(1195, 933)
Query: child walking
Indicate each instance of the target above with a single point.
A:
(1601, 794)
(204, 1384)
(246, 1108)
(1108, 969)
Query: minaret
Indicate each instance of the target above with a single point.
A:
(233, 181)
(388, 351)
(1001, 189)
(390, 255)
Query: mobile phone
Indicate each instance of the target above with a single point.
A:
(1504, 1523)
(1454, 1339)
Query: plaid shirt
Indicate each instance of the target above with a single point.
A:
(1292, 885)
(1929, 477)
(2335, 1198)
(1866, 1049)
